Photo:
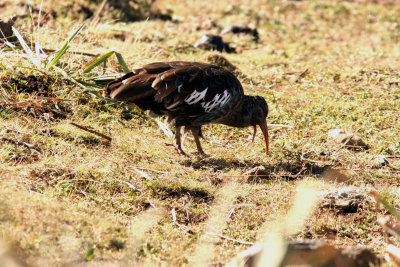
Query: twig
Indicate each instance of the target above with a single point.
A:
(117, 180)
(23, 104)
(164, 172)
(230, 213)
(164, 127)
(52, 99)
(151, 204)
(92, 131)
(130, 185)
(280, 125)
(391, 166)
(83, 193)
(96, 17)
(301, 75)
(388, 163)
(22, 144)
(145, 175)
(231, 239)
(392, 156)
(66, 75)
(54, 50)
(243, 205)
(187, 214)
(174, 218)
(173, 214)
(72, 52)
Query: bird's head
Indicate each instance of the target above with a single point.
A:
(257, 110)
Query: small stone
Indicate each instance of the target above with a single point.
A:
(345, 200)
(348, 139)
(256, 173)
(380, 161)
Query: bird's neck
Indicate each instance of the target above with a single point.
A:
(241, 116)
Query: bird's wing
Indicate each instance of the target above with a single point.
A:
(130, 87)
(193, 88)
(136, 85)
(182, 87)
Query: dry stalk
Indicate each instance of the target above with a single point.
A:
(231, 239)
(30, 146)
(96, 17)
(91, 131)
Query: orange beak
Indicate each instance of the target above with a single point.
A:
(264, 130)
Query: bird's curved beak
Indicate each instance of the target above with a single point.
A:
(264, 129)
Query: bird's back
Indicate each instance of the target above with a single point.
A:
(191, 91)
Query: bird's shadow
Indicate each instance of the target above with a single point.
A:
(215, 163)
(255, 172)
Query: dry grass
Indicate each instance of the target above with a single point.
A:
(68, 191)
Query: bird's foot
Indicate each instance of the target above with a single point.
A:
(178, 149)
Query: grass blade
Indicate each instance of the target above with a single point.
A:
(122, 62)
(64, 48)
(98, 61)
(26, 48)
(386, 204)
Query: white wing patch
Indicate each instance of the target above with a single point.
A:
(195, 97)
(218, 100)
(179, 87)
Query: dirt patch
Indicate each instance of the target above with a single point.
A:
(6, 27)
(43, 178)
(30, 84)
(19, 152)
(32, 94)
(47, 14)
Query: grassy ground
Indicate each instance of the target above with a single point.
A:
(67, 194)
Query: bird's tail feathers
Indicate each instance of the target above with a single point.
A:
(111, 86)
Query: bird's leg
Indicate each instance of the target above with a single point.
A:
(196, 133)
(184, 131)
(177, 144)
(254, 134)
(201, 133)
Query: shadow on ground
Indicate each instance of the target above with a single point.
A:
(258, 172)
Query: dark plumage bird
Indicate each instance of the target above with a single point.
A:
(214, 42)
(241, 28)
(192, 94)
